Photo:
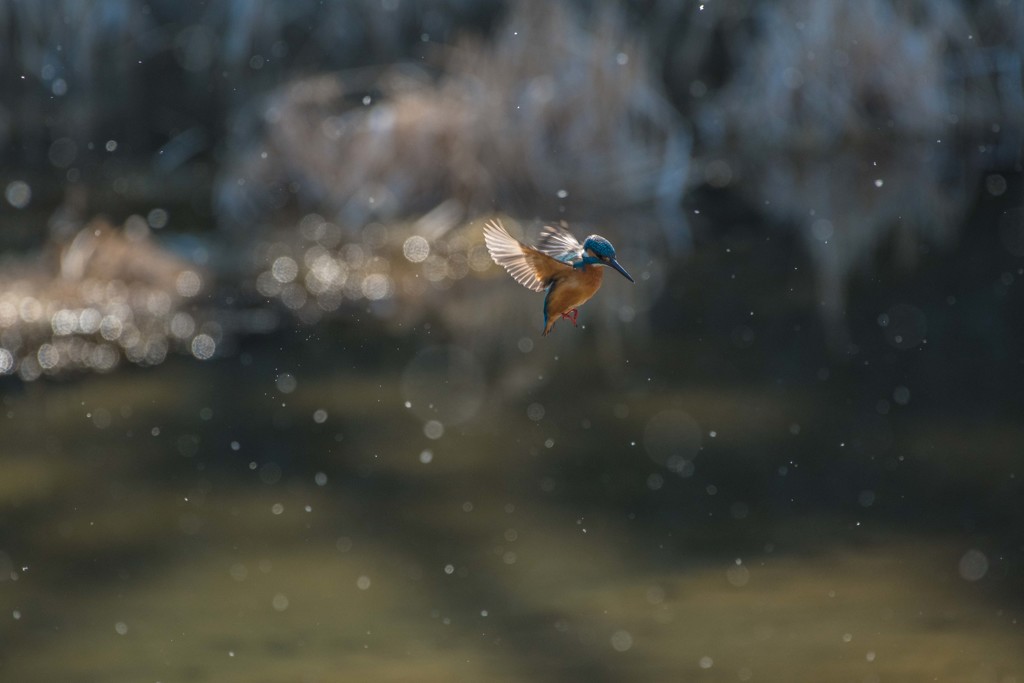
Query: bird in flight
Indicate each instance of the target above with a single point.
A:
(570, 272)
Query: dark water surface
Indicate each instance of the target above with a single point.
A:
(283, 515)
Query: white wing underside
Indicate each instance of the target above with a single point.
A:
(509, 253)
(557, 242)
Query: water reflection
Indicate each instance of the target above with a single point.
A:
(315, 528)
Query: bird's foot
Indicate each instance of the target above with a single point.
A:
(571, 315)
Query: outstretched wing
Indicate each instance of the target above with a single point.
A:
(558, 243)
(526, 265)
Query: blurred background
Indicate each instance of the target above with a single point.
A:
(270, 412)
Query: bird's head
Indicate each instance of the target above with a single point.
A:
(600, 251)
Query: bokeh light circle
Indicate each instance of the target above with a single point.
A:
(416, 249)
(18, 193)
(203, 347)
(6, 362)
(973, 565)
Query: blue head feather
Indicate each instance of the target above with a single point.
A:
(600, 246)
(604, 255)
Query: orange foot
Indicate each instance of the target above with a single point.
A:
(571, 315)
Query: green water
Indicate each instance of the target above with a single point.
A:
(194, 522)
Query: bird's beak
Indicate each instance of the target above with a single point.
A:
(615, 264)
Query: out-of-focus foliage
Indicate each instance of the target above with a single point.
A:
(867, 120)
(333, 136)
(145, 72)
(556, 104)
(107, 295)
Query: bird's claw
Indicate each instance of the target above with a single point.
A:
(571, 316)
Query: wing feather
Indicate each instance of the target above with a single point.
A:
(527, 266)
(559, 243)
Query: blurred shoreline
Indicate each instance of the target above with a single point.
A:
(871, 132)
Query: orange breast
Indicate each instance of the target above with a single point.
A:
(574, 289)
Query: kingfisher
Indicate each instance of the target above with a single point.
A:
(570, 272)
